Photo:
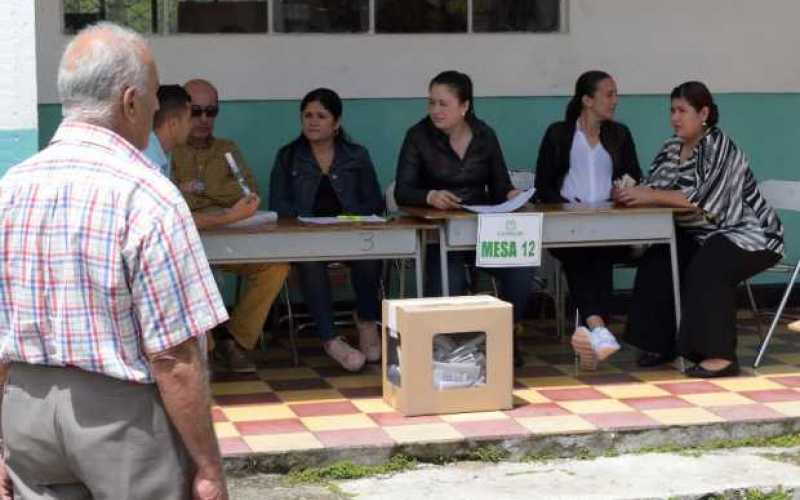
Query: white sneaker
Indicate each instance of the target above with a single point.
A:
(594, 346)
(604, 343)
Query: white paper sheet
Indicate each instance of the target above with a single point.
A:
(341, 219)
(257, 219)
(509, 206)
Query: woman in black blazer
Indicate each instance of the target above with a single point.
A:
(579, 160)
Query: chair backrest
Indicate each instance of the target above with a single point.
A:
(784, 195)
(521, 179)
(391, 203)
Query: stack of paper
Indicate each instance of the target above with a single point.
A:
(257, 219)
(511, 205)
(342, 219)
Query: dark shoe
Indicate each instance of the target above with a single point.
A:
(230, 356)
(698, 371)
(519, 361)
(650, 359)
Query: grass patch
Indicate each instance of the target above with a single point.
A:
(493, 454)
(776, 494)
(784, 441)
(342, 471)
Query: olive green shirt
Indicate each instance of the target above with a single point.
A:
(208, 166)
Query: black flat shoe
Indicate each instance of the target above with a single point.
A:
(650, 359)
(519, 359)
(698, 371)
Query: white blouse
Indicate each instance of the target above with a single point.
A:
(590, 171)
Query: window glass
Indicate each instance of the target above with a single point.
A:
(219, 16)
(515, 15)
(421, 16)
(141, 15)
(321, 16)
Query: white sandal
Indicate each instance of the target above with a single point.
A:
(351, 359)
(369, 339)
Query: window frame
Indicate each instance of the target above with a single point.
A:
(163, 29)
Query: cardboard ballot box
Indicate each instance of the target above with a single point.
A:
(447, 355)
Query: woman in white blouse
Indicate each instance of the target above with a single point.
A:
(579, 159)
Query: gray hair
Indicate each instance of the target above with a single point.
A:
(91, 81)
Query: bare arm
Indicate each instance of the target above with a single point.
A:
(642, 195)
(181, 378)
(243, 209)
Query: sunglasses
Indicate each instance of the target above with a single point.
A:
(209, 111)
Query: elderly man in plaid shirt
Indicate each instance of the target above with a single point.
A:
(105, 300)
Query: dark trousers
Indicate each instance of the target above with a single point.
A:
(590, 276)
(709, 275)
(515, 284)
(316, 287)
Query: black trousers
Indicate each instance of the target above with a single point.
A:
(709, 275)
(590, 276)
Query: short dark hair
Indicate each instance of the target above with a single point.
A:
(172, 99)
(699, 97)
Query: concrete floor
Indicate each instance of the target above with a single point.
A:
(728, 473)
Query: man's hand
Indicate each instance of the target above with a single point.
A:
(6, 488)
(207, 485)
(244, 208)
(443, 200)
(180, 373)
(513, 193)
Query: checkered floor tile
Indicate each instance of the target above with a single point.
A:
(318, 405)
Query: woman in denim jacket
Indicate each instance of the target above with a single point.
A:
(322, 173)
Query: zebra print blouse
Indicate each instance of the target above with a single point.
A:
(717, 179)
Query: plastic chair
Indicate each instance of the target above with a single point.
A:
(782, 195)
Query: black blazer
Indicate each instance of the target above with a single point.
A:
(552, 164)
(427, 161)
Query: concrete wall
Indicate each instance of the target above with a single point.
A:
(734, 45)
(743, 49)
(19, 136)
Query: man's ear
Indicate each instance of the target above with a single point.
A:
(129, 103)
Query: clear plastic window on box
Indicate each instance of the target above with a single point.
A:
(459, 360)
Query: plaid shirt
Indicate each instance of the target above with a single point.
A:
(100, 261)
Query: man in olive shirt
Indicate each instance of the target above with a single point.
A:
(216, 197)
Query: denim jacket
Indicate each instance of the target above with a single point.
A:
(296, 176)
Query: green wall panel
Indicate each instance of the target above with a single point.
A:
(15, 146)
(762, 124)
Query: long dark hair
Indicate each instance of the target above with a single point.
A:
(460, 84)
(585, 85)
(332, 103)
(699, 97)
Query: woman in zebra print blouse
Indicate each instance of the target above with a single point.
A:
(731, 235)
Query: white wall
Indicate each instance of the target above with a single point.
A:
(18, 100)
(649, 45)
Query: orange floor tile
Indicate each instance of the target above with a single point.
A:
(317, 405)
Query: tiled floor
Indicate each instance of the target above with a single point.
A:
(317, 405)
